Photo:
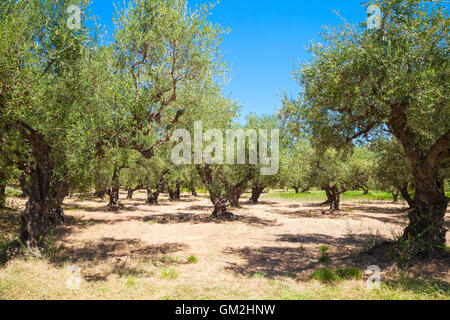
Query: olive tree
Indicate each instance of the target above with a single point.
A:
(51, 78)
(393, 79)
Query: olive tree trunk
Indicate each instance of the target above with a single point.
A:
(395, 195)
(43, 210)
(426, 232)
(113, 192)
(2, 194)
(256, 193)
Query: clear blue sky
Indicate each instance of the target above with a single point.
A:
(267, 40)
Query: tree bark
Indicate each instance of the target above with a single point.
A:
(426, 233)
(235, 196)
(2, 194)
(220, 208)
(43, 209)
(336, 198)
(406, 196)
(297, 189)
(218, 200)
(113, 192)
(329, 196)
(152, 197)
(395, 195)
(100, 193)
(194, 192)
(175, 194)
(130, 191)
(23, 186)
(256, 193)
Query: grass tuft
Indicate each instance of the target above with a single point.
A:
(325, 275)
(192, 259)
(169, 273)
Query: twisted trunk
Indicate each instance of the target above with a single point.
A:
(100, 193)
(175, 194)
(336, 197)
(234, 196)
(2, 194)
(406, 196)
(113, 192)
(217, 198)
(329, 196)
(46, 193)
(426, 233)
(23, 186)
(256, 193)
(194, 192)
(152, 197)
(220, 208)
(395, 195)
(130, 191)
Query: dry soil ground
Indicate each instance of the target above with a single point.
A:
(270, 252)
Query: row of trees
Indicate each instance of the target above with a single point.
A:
(78, 115)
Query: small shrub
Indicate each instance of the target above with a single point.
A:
(324, 275)
(192, 259)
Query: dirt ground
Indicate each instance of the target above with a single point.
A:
(273, 246)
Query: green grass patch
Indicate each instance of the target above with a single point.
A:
(319, 195)
(11, 192)
(258, 275)
(325, 275)
(349, 273)
(169, 273)
(192, 259)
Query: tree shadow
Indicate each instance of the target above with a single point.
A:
(203, 219)
(110, 248)
(271, 261)
(321, 239)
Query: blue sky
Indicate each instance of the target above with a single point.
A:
(267, 40)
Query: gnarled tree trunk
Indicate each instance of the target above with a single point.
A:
(256, 193)
(234, 196)
(220, 208)
(406, 196)
(336, 198)
(329, 196)
(2, 194)
(23, 186)
(395, 195)
(130, 191)
(113, 192)
(426, 232)
(43, 210)
(175, 194)
(194, 192)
